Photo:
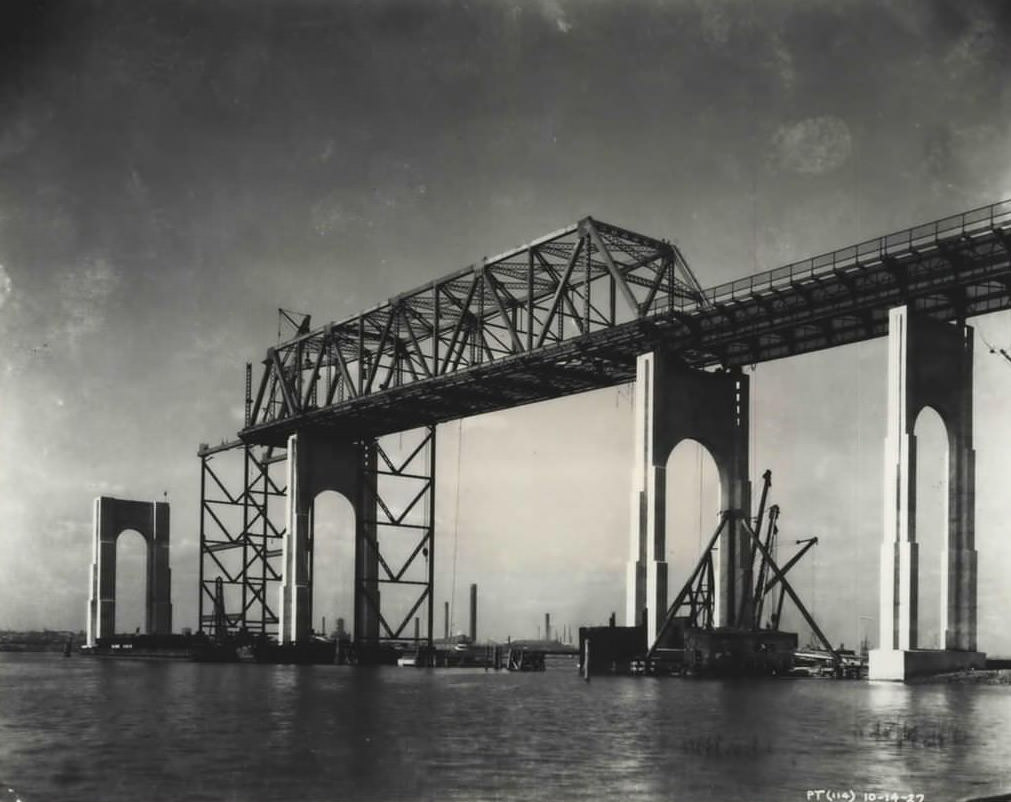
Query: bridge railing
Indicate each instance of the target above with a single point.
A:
(872, 251)
(586, 278)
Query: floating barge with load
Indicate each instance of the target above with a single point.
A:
(689, 642)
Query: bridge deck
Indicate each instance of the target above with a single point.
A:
(572, 311)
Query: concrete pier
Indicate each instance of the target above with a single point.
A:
(929, 365)
(112, 516)
(316, 464)
(674, 403)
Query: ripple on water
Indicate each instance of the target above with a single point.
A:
(91, 729)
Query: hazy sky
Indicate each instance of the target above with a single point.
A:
(172, 173)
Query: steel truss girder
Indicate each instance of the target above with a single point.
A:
(240, 537)
(579, 281)
(559, 322)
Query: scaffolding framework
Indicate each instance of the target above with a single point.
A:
(242, 532)
(242, 500)
(399, 506)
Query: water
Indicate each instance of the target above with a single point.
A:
(98, 730)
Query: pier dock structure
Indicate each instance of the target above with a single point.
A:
(112, 517)
(588, 306)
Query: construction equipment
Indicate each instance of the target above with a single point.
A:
(689, 642)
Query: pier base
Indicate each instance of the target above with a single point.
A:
(900, 665)
(929, 365)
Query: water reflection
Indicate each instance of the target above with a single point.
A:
(88, 729)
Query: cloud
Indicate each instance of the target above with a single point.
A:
(102, 487)
(329, 215)
(6, 286)
(83, 294)
(553, 12)
(782, 62)
(971, 51)
(16, 138)
(813, 146)
(12, 340)
(716, 23)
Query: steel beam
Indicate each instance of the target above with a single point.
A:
(555, 297)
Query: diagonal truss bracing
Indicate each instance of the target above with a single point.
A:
(567, 313)
(578, 281)
(571, 311)
(242, 500)
(399, 507)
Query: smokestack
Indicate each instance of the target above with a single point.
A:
(547, 626)
(473, 613)
(446, 609)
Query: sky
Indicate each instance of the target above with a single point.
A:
(172, 173)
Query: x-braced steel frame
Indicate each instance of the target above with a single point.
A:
(588, 277)
(394, 581)
(572, 311)
(241, 532)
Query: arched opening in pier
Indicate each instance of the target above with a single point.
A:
(333, 563)
(931, 523)
(693, 501)
(131, 582)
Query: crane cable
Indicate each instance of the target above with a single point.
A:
(993, 348)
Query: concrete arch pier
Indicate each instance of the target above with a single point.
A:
(929, 365)
(675, 403)
(112, 517)
(315, 464)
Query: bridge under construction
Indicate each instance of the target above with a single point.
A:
(588, 306)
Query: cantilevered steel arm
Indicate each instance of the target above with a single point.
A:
(789, 590)
(792, 562)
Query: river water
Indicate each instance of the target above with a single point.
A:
(98, 730)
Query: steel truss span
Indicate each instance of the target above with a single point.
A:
(504, 332)
(571, 312)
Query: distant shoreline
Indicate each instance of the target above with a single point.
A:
(31, 647)
(49, 640)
